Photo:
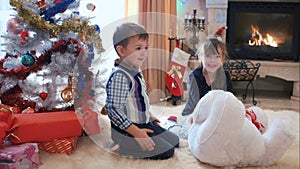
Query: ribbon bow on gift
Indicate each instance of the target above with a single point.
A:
(175, 70)
(6, 120)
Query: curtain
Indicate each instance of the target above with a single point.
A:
(159, 18)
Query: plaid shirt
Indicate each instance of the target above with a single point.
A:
(127, 98)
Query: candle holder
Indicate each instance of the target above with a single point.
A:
(193, 25)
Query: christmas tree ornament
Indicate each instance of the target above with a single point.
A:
(13, 26)
(23, 37)
(33, 52)
(27, 59)
(90, 6)
(82, 38)
(43, 95)
(67, 93)
(97, 28)
(41, 4)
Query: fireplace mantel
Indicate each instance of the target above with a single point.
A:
(288, 71)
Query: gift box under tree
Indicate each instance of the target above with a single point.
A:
(20, 156)
(42, 127)
(62, 145)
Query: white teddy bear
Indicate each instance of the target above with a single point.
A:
(223, 134)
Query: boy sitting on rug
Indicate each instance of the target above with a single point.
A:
(133, 127)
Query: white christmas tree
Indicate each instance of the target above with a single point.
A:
(49, 50)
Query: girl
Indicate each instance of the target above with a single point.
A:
(208, 76)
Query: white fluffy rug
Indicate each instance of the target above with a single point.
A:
(90, 153)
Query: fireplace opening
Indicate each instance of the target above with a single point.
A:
(263, 30)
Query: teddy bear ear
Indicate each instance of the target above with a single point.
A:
(203, 108)
(224, 109)
(217, 105)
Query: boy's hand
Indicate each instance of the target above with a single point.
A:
(141, 136)
(144, 140)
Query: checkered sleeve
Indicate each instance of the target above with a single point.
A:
(118, 88)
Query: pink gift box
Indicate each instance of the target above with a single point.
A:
(20, 156)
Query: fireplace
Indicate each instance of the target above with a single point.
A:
(263, 30)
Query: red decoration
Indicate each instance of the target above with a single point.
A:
(57, 1)
(177, 43)
(252, 115)
(175, 72)
(43, 95)
(13, 96)
(22, 72)
(174, 78)
(41, 4)
(67, 94)
(23, 36)
(220, 31)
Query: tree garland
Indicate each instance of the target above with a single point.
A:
(13, 96)
(22, 72)
(35, 20)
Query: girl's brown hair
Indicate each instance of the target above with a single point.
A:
(211, 46)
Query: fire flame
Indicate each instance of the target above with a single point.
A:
(257, 38)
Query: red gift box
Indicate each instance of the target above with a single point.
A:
(20, 156)
(62, 145)
(41, 127)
